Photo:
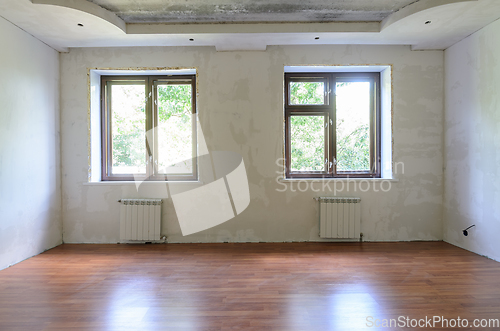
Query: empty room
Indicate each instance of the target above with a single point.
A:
(249, 165)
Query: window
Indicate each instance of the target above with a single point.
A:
(332, 125)
(148, 127)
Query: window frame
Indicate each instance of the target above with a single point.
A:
(151, 123)
(328, 110)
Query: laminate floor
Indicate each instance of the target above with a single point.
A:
(261, 286)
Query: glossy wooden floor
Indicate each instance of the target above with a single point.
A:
(289, 286)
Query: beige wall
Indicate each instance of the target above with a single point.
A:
(472, 138)
(241, 109)
(30, 195)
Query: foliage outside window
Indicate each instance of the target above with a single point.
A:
(148, 128)
(332, 125)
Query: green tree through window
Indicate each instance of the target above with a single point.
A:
(149, 127)
(331, 128)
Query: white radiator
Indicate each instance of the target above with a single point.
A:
(339, 217)
(140, 219)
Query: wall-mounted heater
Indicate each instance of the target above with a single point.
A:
(140, 219)
(339, 217)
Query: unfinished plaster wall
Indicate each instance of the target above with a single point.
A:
(30, 195)
(472, 140)
(240, 107)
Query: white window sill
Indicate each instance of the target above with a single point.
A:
(346, 180)
(133, 183)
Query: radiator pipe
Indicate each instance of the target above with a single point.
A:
(465, 232)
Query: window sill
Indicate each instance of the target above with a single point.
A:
(130, 183)
(347, 180)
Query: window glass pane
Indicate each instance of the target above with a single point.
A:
(353, 126)
(128, 129)
(307, 137)
(175, 129)
(307, 93)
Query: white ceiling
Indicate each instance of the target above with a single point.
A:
(249, 24)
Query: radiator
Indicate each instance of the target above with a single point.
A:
(140, 219)
(339, 217)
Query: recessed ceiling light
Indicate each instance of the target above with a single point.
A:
(316, 38)
(80, 24)
(191, 39)
(428, 22)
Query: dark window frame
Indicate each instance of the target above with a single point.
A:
(328, 110)
(150, 82)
